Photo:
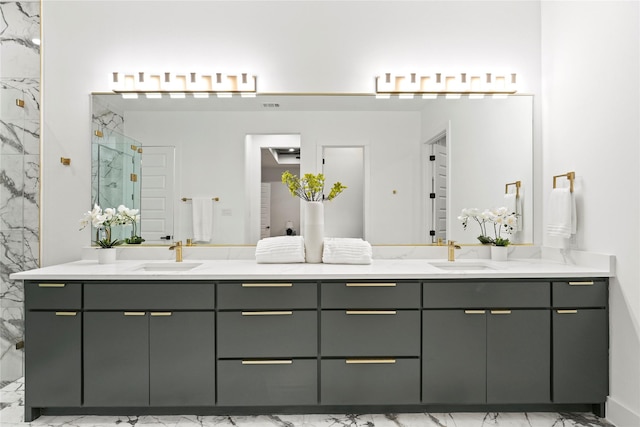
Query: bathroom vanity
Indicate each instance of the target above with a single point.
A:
(234, 337)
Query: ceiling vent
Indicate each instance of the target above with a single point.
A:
(270, 105)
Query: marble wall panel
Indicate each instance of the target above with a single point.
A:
(19, 170)
(11, 331)
(11, 191)
(19, 25)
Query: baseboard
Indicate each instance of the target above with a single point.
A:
(621, 416)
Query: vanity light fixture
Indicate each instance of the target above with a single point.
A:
(450, 84)
(155, 84)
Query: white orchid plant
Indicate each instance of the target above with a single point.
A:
(502, 220)
(104, 220)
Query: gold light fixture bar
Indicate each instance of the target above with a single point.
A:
(446, 84)
(154, 84)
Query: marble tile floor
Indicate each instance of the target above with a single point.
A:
(12, 411)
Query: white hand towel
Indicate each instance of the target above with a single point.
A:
(281, 249)
(344, 250)
(202, 219)
(561, 213)
(513, 204)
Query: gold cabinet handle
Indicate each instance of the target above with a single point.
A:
(370, 285)
(66, 313)
(134, 313)
(267, 285)
(474, 311)
(51, 285)
(500, 311)
(161, 313)
(267, 313)
(369, 361)
(585, 283)
(365, 312)
(567, 311)
(267, 362)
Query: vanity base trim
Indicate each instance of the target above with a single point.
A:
(32, 413)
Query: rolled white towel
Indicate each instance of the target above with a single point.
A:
(344, 250)
(281, 249)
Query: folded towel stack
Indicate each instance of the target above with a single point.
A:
(281, 249)
(513, 203)
(562, 213)
(342, 250)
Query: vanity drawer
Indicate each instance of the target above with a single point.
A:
(516, 294)
(149, 296)
(355, 295)
(267, 295)
(370, 381)
(267, 334)
(580, 293)
(267, 382)
(53, 296)
(370, 333)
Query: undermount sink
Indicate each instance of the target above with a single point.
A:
(460, 265)
(169, 266)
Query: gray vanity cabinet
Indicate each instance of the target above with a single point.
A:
(486, 351)
(580, 342)
(454, 356)
(181, 362)
(518, 356)
(53, 363)
(116, 359)
(370, 343)
(149, 345)
(53, 346)
(267, 343)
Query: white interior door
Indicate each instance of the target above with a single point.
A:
(344, 216)
(436, 188)
(265, 210)
(157, 194)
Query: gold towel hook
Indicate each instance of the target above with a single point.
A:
(571, 176)
(517, 184)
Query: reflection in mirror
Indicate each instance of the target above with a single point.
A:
(115, 169)
(489, 143)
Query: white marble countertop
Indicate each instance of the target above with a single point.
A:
(250, 270)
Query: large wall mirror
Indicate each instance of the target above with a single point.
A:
(411, 165)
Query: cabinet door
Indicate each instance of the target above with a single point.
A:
(519, 356)
(580, 356)
(182, 363)
(454, 355)
(53, 372)
(116, 359)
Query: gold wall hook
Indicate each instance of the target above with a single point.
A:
(65, 161)
(571, 176)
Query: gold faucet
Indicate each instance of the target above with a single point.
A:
(451, 247)
(177, 246)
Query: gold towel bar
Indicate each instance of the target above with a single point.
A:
(517, 184)
(186, 199)
(571, 176)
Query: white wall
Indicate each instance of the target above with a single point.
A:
(290, 46)
(591, 116)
